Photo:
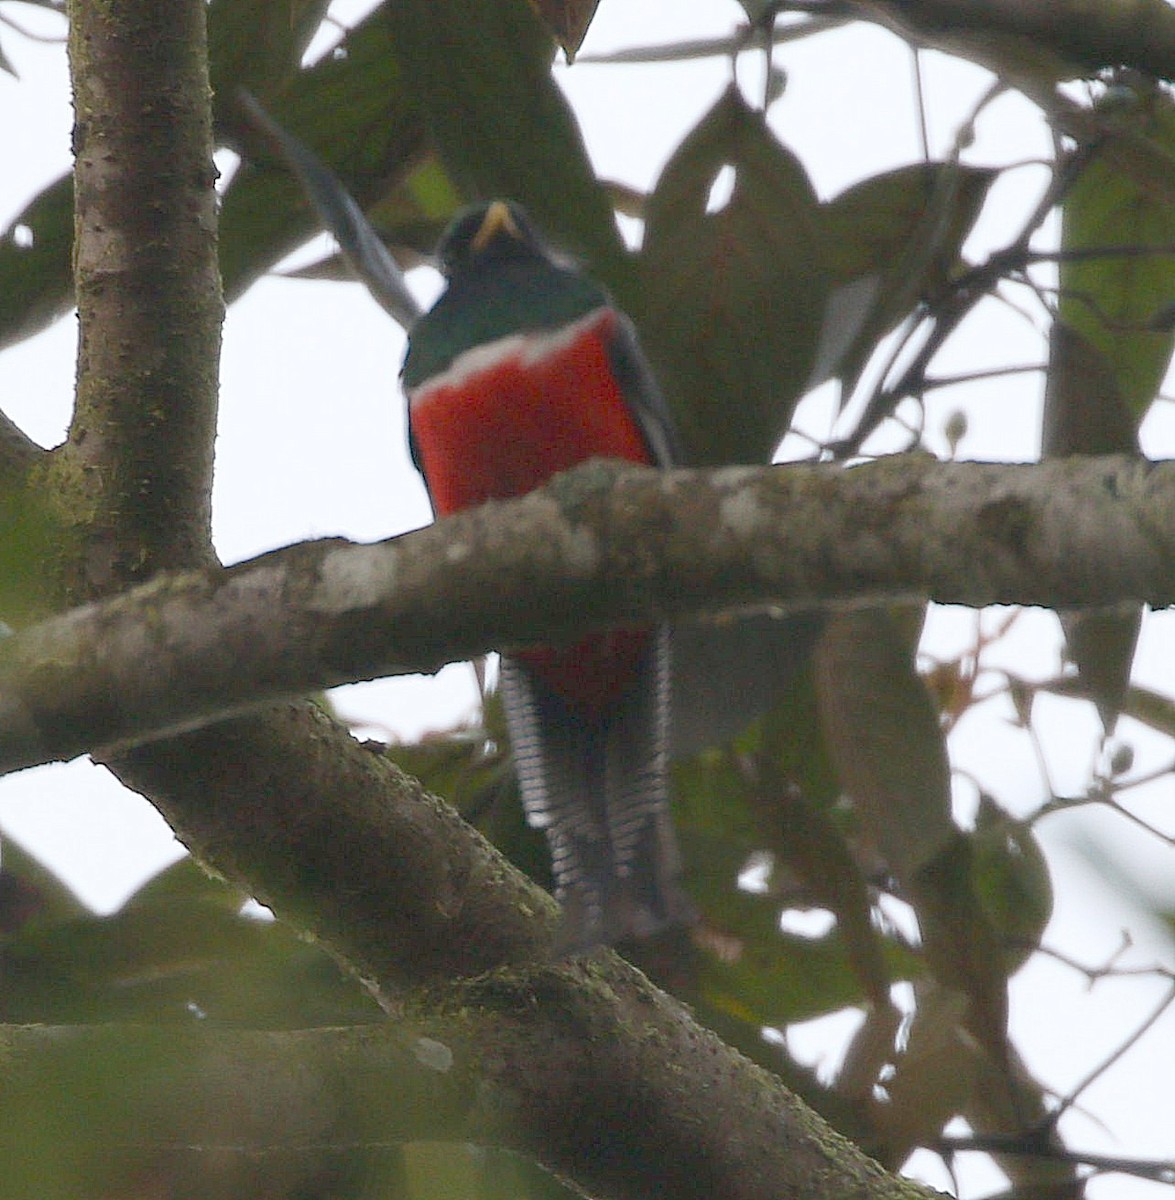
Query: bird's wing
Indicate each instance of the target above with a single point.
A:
(643, 395)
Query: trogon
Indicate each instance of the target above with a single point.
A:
(524, 368)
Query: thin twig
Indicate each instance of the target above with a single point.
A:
(1068, 1101)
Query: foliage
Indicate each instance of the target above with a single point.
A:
(837, 796)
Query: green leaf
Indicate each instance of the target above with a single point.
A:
(884, 737)
(719, 832)
(258, 44)
(30, 539)
(789, 979)
(178, 951)
(440, 1170)
(752, 973)
(1084, 414)
(732, 298)
(798, 747)
(1122, 199)
(773, 789)
(1011, 878)
(185, 883)
(352, 108)
(905, 229)
(799, 791)
(507, 1176)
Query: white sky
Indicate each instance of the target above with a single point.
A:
(312, 443)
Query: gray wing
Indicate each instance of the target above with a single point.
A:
(643, 395)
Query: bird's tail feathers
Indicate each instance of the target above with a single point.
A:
(597, 787)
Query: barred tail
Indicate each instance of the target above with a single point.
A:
(597, 787)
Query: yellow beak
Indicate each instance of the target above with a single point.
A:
(496, 221)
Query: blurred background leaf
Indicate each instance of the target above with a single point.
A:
(733, 285)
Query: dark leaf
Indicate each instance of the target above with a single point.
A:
(733, 297)
(568, 21)
(884, 738)
(259, 44)
(963, 951)
(36, 271)
(1151, 708)
(30, 893)
(1101, 644)
(731, 669)
(932, 1076)
(905, 229)
(1083, 408)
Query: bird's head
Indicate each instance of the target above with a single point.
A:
(488, 233)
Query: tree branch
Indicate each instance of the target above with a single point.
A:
(601, 544)
(583, 1066)
(137, 468)
(1091, 36)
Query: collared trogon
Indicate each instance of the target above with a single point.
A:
(523, 368)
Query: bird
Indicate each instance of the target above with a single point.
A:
(523, 368)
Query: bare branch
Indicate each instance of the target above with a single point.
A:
(1159, 1170)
